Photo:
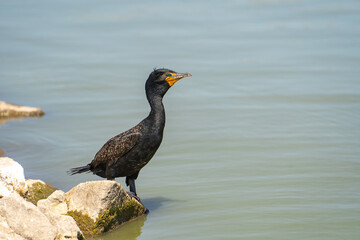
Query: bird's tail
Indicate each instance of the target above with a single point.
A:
(77, 170)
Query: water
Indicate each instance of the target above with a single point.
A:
(263, 142)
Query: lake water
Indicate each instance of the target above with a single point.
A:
(263, 142)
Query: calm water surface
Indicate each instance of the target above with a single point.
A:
(263, 142)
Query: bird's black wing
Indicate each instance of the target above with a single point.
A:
(115, 148)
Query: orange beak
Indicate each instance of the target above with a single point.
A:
(176, 77)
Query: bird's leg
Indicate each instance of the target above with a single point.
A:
(131, 183)
(132, 186)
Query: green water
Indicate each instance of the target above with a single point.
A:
(263, 142)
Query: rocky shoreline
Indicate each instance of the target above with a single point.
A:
(33, 209)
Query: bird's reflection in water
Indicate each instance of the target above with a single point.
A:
(129, 231)
(155, 202)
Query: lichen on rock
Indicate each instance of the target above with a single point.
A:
(100, 206)
(37, 190)
(118, 214)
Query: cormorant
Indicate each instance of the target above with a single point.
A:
(127, 153)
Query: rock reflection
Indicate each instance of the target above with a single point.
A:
(129, 231)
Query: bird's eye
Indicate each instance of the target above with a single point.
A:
(169, 75)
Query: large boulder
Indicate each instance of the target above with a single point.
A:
(8, 110)
(100, 206)
(11, 177)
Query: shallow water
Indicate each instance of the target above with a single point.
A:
(263, 142)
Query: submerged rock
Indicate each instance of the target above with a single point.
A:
(8, 110)
(100, 206)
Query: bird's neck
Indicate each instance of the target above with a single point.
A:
(157, 113)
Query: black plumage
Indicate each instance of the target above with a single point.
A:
(127, 153)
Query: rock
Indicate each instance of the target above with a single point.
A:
(25, 219)
(90, 208)
(11, 177)
(6, 232)
(37, 190)
(100, 206)
(1, 152)
(66, 227)
(20, 219)
(53, 207)
(8, 110)
(55, 203)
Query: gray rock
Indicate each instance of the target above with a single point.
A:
(100, 206)
(25, 219)
(8, 110)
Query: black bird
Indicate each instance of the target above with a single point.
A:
(127, 153)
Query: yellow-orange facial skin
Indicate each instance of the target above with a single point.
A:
(171, 80)
(176, 77)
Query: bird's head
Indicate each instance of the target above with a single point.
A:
(160, 80)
